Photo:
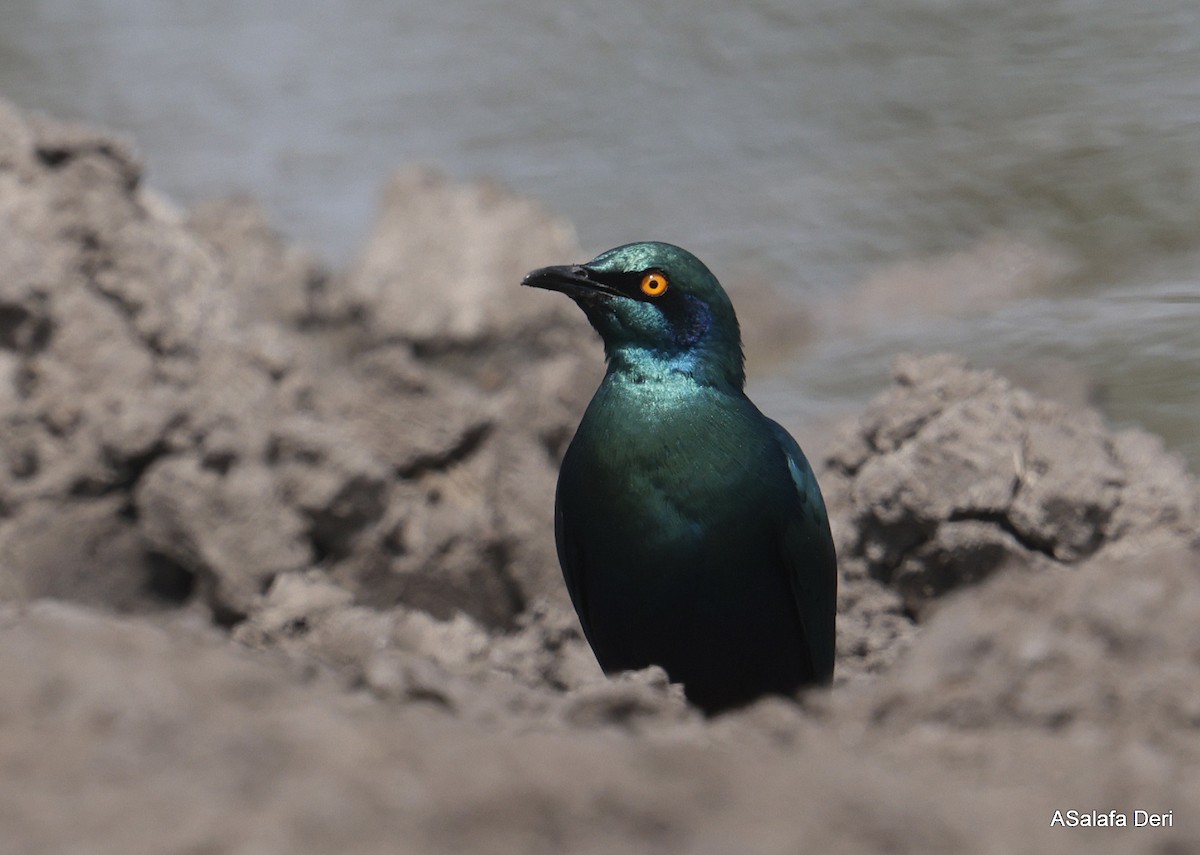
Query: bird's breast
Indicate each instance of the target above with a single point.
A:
(663, 470)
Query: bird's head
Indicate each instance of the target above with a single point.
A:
(658, 309)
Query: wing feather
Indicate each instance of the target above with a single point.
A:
(809, 558)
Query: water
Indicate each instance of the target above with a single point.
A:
(812, 144)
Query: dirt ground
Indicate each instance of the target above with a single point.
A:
(277, 571)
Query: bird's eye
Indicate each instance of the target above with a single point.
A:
(654, 284)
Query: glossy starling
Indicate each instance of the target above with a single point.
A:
(690, 528)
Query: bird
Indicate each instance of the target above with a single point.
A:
(690, 527)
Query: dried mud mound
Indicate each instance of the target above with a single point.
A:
(1112, 648)
(277, 574)
(194, 407)
(953, 474)
(139, 736)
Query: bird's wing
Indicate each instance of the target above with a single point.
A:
(809, 558)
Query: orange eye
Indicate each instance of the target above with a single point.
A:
(654, 284)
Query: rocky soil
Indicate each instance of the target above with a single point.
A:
(277, 571)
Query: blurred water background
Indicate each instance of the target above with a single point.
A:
(1014, 180)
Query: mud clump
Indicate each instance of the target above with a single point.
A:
(954, 473)
(201, 395)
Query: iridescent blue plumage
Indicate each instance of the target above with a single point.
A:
(690, 528)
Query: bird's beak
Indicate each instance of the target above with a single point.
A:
(574, 280)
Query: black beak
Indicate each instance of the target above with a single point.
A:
(574, 280)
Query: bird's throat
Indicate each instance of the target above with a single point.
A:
(694, 367)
